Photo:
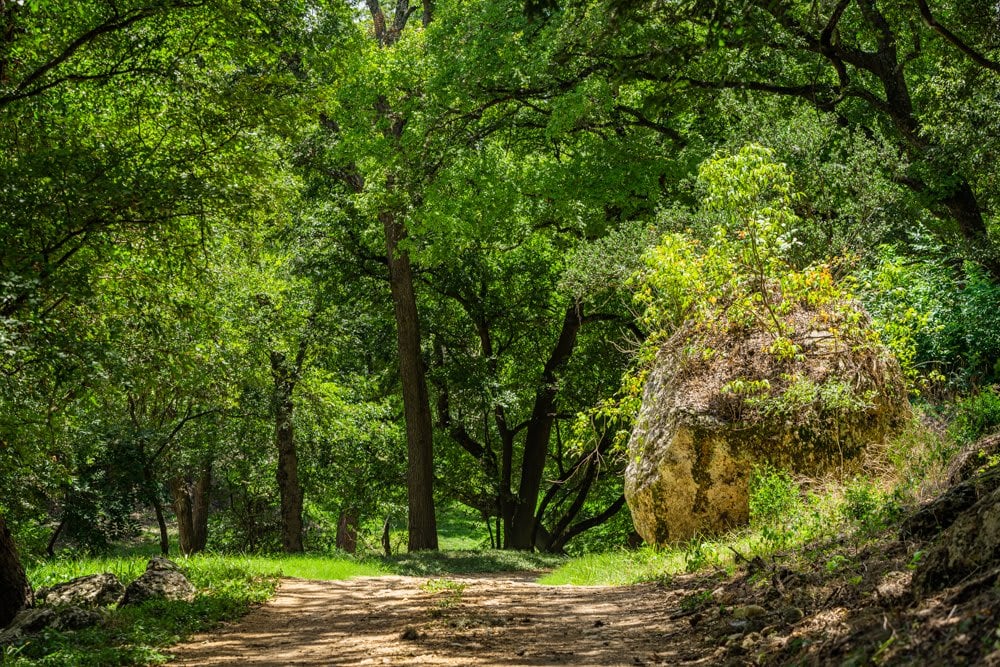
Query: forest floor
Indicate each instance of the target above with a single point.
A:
(499, 619)
(833, 604)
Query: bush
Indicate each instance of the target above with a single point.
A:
(870, 508)
(775, 505)
(939, 318)
(976, 416)
(774, 497)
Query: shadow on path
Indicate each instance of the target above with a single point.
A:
(458, 620)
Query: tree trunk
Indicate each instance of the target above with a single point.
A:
(153, 492)
(162, 523)
(50, 548)
(190, 501)
(288, 459)
(181, 496)
(347, 531)
(536, 445)
(199, 508)
(422, 526)
(386, 542)
(15, 592)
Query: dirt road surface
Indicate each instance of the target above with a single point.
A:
(490, 620)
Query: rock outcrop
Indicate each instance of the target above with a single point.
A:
(34, 620)
(94, 590)
(964, 523)
(162, 580)
(716, 404)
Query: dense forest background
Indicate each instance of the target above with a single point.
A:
(280, 274)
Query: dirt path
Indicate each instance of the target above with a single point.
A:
(494, 620)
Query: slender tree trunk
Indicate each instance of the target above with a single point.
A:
(50, 548)
(506, 496)
(15, 592)
(422, 526)
(199, 508)
(182, 510)
(386, 542)
(162, 523)
(536, 444)
(347, 531)
(153, 492)
(288, 459)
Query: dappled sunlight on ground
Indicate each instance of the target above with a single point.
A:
(463, 620)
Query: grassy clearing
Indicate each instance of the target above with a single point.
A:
(461, 529)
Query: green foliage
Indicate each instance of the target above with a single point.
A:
(870, 508)
(777, 510)
(938, 317)
(741, 277)
(227, 588)
(701, 296)
(775, 498)
(975, 416)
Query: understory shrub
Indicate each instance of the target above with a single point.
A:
(975, 416)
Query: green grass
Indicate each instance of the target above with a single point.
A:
(461, 529)
(434, 563)
(783, 516)
(228, 586)
(621, 568)
(318, 567)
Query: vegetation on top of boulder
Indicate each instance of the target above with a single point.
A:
(755, 336)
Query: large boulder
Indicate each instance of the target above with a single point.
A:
(717, 402)
(95, 590)
(33, 621)
(162, 580)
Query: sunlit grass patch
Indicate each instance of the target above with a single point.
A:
(228, 586)
(432, 563)
(783, 516)
(319, 566)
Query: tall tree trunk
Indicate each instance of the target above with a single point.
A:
(162, 523)
(15, 592)
(422, 526)
(288, 459)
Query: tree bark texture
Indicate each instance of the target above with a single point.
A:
(347, 531)
(181, 496)
(422, 526)
(288, 459)
(15, 592)
(190, 500)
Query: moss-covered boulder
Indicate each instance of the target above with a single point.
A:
(720, 399)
